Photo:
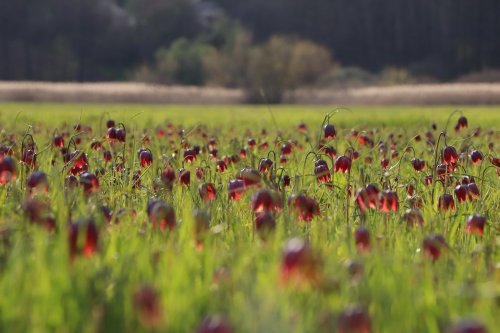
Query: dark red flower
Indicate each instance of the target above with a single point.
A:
(384, 163)
(342, 164)
(6, 150)
(410, 190)
(83, 238)
(168, 177)
(306, 207)
(221, 166)
(495, 161)
(418, 164)
(147, 303)
(145, 157)
(330, 151)
(213, 153)
(251, 143)
(394, 154)
(329, 131)
(367, 197)
(265, 200)
(320, 162)
(450, 155)
(29, 157)
(207, 191)
(365, 140)
(189, 155)
(286, 180)
(236, 189)
(120, 134)
(472, 191)
(355, 155)
(362, 239)
(286, 148)
(110, 123)
(184, 177)
(265, 165)
(79, 162)
(461, 193)
(89, 182)
(299, 263)
(8, 170)
(161, 215)
(91, 238)
(361, 199)
(372, 193)
(111, 134)
(302, 128)
(388, 201)
(354, 319)
(433, 246)
(476, 156)
(445, 202)
(96, 145)
(264, 146)
(199, 173)
(37, 181)
(58, 141)
(322, 173)
(462, 123)
(212, 143)
(106, 155)
(475, 224)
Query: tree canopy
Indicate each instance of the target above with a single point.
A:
(92, 40)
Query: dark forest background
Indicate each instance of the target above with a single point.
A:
(248, 43)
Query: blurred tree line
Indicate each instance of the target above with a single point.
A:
(87, 40)
(261, 45)
(442, 38)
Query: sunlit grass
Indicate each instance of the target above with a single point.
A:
(41, 290)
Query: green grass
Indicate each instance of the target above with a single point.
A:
(42, 290)
(246, 116)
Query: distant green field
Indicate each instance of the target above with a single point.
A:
(51, 282)
(247, 116)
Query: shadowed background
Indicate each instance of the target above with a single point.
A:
(254, 46)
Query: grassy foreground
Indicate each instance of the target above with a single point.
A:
(143, 279)
(241, 117)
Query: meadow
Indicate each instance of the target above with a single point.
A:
(294, 218)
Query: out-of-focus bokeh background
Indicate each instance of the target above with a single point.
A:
(309, 51)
